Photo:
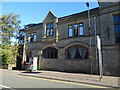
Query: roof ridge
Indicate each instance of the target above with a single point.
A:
(63, 16)
(78, 13)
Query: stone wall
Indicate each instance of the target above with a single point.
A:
(109, 46)
(63, 64)
(105, 29)
(110, 60)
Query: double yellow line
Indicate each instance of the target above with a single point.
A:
(93, 86)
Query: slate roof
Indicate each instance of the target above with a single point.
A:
(81, 14)
(76, 15)
(33, 25)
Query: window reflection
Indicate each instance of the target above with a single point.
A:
(50, 29)
(117, 27)
(116, 18)
(76, 30)
(76, 52)
(31, 37)
(50, 52)
(34, 36)
(81, 31)
(70, 32)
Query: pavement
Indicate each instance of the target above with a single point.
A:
(107, 81)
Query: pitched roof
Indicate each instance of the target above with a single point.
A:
(33, 25)
(76, 15)
(81, 14)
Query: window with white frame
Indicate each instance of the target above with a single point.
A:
(50, 30)
(76, 30)
(32, 37)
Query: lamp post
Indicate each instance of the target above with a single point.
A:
(89, 38)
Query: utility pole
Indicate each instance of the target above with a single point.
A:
(89, 38)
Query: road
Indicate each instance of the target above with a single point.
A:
(18, 81)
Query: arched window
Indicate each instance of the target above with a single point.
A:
(76, 52)
(50, 52)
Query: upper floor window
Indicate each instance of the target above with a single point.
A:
(50, 29)
(50, 52)
(76, 52)
(75, 30)
(81, 29)
(117, 27)
(31, 37)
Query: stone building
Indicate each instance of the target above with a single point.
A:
(63, 44)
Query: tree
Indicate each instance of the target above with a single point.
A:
(20, 48)
(9, 25)
(20, 37)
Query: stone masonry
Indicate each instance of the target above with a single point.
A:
(61, 41)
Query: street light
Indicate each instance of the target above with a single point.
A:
(89, 37)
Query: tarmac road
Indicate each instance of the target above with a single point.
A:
(18, 81)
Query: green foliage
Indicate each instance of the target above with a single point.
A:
(9, 54)
(6, 56)
(9, 29)
(21, 37)
(19, 56)
(9, 25)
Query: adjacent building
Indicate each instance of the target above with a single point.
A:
(63, 44)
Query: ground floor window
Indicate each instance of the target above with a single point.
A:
(76, 52)
(50, 52)
(28, 56)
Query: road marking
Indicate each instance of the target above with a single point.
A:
(61, 81)
(4, 86)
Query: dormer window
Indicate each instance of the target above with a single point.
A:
(50, 30)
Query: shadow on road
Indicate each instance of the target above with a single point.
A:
(32, 72)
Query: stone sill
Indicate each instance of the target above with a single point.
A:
(50, 59)
(77, 59)
(69, 59)
(49, 37)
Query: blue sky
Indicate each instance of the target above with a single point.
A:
(35, 12)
